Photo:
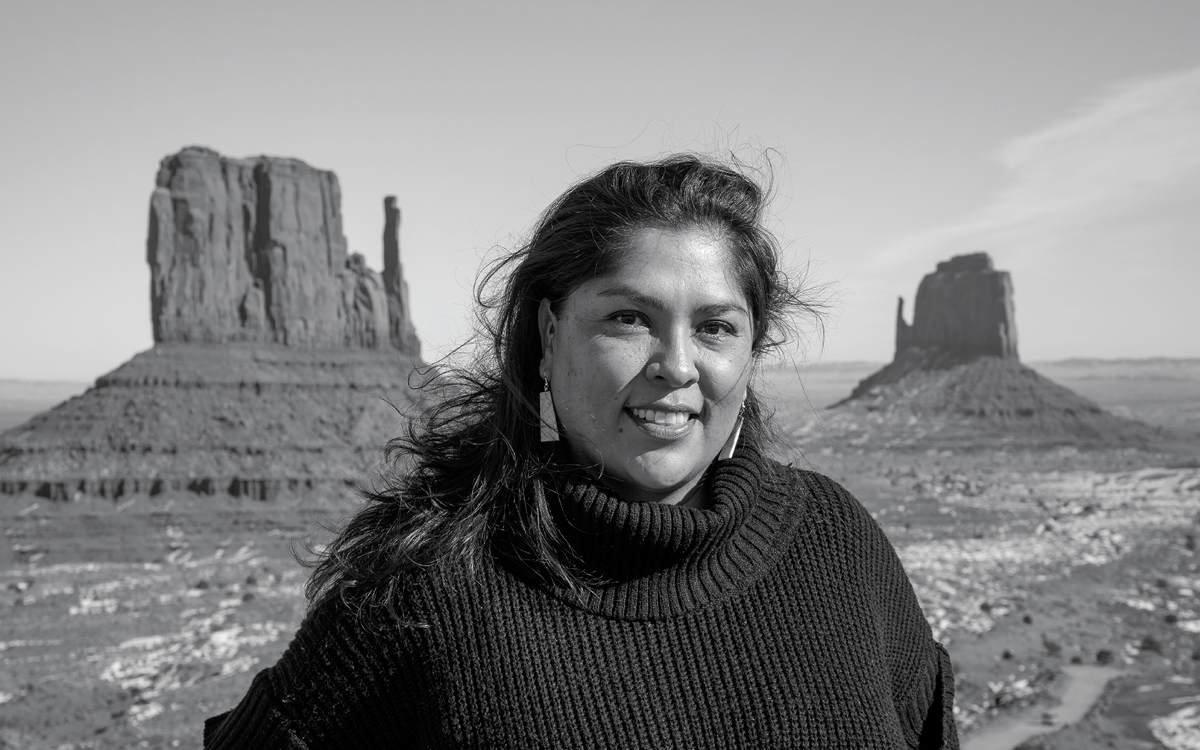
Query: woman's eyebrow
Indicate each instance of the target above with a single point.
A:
(633, 295)
(645, 300)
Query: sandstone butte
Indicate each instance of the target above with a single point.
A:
(280, 361)
(956, 368)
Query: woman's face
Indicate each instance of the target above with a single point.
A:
(649, 366)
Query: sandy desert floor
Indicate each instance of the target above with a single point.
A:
(125, 624)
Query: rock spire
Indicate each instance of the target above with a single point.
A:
(400, 328)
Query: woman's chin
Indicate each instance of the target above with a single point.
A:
(658, 486)
(660, 474)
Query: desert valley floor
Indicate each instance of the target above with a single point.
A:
(1044, 568)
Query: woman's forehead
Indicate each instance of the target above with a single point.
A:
(661, 266)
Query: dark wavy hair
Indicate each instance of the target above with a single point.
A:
(470, 477)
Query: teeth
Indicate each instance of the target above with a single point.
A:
(661, 417)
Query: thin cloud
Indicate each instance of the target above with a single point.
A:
(1133, 148)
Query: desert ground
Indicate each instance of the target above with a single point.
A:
(1064, 579)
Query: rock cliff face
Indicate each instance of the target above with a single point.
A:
(252, 250)
(364, 307)
(964, 307)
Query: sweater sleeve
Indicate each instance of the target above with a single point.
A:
(940, 731)
(336, 685)
(256, 722)
(922, 674)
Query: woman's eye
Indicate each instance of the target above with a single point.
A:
(716, 328)
(628, 318)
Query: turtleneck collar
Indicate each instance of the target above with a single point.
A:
(656, 560)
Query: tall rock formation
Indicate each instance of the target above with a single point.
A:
(281, 363)
(252, 250)
(957, 364)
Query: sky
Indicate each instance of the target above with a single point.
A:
(1062, 138)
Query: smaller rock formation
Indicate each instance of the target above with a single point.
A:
(364, 306)
(957, 364)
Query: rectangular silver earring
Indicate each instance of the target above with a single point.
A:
(548, 417)
(731, 444)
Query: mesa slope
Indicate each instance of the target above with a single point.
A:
(246, 420)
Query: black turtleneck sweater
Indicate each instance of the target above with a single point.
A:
(779, 617)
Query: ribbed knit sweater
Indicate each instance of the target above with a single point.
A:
(779, 617)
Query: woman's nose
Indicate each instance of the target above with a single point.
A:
(674, 363)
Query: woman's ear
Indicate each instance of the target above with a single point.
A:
(547, 326)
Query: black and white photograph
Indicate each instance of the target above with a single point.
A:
(625, 375)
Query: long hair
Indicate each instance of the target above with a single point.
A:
(469, 477)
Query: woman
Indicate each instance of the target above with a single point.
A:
(589, 547)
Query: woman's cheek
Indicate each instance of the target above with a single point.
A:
(621, 359)
(724, 374)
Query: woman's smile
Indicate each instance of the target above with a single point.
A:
(667, 425)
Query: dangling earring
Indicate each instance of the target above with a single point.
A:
(731, 444)
(549, 419)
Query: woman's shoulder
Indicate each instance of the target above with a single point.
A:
(844, 526)
(337, 625)
(825, 499)
(389, 610)
(844, 530)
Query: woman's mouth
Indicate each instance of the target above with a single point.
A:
(668, 418)
(664, 425)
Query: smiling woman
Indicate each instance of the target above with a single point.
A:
(583, 542)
